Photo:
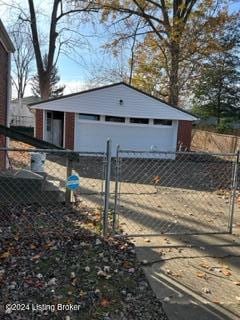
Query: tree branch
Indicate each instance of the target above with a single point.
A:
(35, 38)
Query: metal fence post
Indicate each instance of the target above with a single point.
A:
(233, 193)
(107, 187)
(116, 188)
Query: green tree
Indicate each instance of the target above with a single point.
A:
(216, 92)
(172, 23)
(55, 90)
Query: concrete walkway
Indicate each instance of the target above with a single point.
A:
(196, 277)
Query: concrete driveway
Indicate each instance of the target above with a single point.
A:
(196, 277)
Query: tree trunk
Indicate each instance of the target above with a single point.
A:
(173, 95)
(219, 95)
(44, 85)
(44, 73)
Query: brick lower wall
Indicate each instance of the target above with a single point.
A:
(184, 134)
(69, 127)
(69, 130)
(39, 124)
(3, 99)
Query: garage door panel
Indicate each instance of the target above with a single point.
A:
(93, 137)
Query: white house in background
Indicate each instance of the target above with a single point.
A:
(131, 118)
(20, 114)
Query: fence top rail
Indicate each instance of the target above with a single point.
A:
(51, 151)
(177, 152)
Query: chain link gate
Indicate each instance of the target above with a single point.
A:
(174, 192)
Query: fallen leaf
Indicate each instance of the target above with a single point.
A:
(106, 269)
(226, 272)
(105, 303)
(36, 257)
(156, 179)
(127, 264)
(101, 273)
(16, 237)
(74, 281)
(49, 244)
(174, 274)
(204, 265)
(5, 255)
(201, 275)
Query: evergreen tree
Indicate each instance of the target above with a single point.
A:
(55, 90)
(217, 90)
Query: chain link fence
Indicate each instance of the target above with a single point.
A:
(175, 192)
(35, 199)
(48, 232)
(138, 192)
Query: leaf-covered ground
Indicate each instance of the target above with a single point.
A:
(57, 259)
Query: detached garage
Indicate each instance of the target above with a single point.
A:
(131, 118)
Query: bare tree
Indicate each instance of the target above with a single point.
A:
(44, 72)
(60, 37)
(22, 57)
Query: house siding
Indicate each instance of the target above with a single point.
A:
(134, 104)
(3, 98)
(184, 134)
(69, 130)
(118, 100)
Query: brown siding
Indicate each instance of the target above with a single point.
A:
(3, 98)
(39, 124)
(184, 134)
(69, 130)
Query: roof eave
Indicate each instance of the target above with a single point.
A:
(67, 109)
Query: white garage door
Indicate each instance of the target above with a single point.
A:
(92, 136)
